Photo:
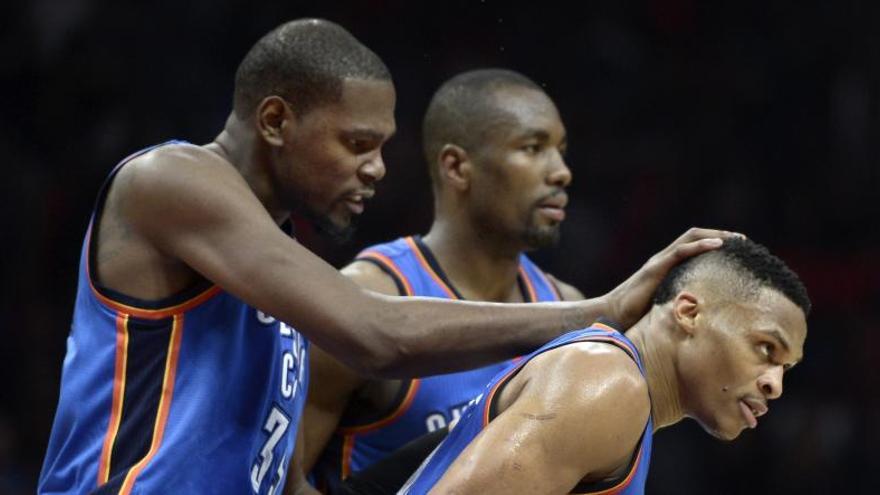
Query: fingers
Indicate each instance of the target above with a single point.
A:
(697, 233)
(686, 250)
(692, 243)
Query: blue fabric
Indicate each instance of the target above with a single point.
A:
(231, 381)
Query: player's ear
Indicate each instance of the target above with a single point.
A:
(685, 308)
(455, 166)
(274, 119)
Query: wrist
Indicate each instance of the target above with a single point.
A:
(590, 310)
(612, 306)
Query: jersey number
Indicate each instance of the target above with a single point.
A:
(276, 425)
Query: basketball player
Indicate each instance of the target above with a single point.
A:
(578, 414)
(495, 144)
(186, 366)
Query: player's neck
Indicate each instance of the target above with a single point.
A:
(236, 145)
(655, 347)
(478, 269)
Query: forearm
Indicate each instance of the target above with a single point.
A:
(400, 337)
(430, 336)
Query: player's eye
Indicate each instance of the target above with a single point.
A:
(766, 349)
(531, 148)
(359, 145)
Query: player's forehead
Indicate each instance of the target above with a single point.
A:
(527, 111)
(364, 104)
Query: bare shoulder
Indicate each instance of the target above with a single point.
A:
(186, 188)
(172, 163)
(582, 366)
(567, 291)
(370, 277)
(592, 380)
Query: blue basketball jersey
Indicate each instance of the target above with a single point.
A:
(478, 416)
(197, 393)
(425, 404)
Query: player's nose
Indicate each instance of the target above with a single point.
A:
(770, 382)
(373, 170)
(560, 174)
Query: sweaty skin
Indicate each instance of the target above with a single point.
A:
(576, 413)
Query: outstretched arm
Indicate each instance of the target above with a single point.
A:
(195, 207)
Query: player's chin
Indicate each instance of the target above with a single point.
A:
(730, 435)
(722, 428)
(727, 432)
(542, 236)
(339, 219)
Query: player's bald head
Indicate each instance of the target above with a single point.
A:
(306, 62)
(736, 271)
(465, 108)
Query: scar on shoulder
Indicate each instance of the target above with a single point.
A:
(538, 417)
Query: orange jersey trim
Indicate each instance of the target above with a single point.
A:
(347, 449)
(350, 434)
(604, 327)
(387, 263)
(530, 287)
(549, 283)
(150, 314)
(427, 267)
(402, 408)
(118, 395)
(487, 409)
(164, 405)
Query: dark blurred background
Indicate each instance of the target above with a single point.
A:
(762, 117)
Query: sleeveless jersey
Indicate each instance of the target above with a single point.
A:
(196, 393)
(426, 404)
(478, 416)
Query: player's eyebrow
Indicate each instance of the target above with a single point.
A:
(778, 336)
(536, 133)
(371, 134)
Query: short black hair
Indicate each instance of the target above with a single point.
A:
(462, 110)
(304, 61)
(752, 265)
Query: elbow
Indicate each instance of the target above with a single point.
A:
(385, 355)
(387, 343)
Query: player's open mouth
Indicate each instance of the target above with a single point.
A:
(355, 201)
(752, 409)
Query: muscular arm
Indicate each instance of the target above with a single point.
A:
(576, 412)
(195, 207)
